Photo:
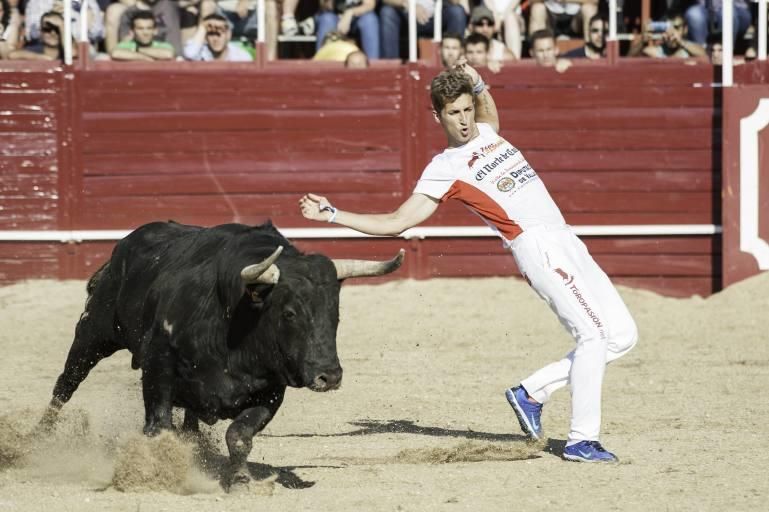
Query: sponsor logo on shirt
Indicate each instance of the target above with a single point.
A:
(498, 160)
(506, 184)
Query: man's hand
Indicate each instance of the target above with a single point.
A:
(422, 16)
(242, 9)
(345, 21)
(315, 207)
(468, 69)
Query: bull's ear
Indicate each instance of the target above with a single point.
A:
(257, 294)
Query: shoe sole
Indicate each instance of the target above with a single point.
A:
(522, 420)
(577, 458)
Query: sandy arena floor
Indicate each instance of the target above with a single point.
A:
(421, 422)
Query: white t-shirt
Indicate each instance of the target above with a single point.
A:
(557, 7)
(493, 179)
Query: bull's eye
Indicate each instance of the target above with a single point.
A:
(289, 314)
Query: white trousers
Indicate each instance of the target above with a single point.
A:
(559, 268)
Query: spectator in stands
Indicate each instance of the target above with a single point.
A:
(477, 53)
(10, 27)
(702, 13)
(119, 15)
(191, 12)
(595, 47)
(672, 43)
(452, 48)
(142, 45)
(482, 22)
(350, 17)
(394, 15)
(508, 20)
(242, 17)
(288, 23)
(715, 49)
(544, 51)
(336, 47)
(35, 8)
(213, 41)
(50, 45)
(567, 17)
(356, 60)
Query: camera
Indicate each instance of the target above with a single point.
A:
(659, 27)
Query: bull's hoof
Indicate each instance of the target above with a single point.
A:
(238, 482)
(154, 429)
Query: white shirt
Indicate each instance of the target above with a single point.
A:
(557, 7)
(196, 51)
(493, 179)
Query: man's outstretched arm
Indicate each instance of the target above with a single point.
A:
(413, 211)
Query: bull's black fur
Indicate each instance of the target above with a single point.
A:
(173, 296)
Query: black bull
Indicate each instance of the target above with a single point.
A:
(220, 320)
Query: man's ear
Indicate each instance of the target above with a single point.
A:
(436, 117)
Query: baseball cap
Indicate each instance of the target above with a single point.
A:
(479, 13)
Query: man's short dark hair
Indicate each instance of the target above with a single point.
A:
(713, 38)
(143, 15)
(448, 86)
(540, 34)
(476, 38)
(596, 17)
(218, 17)
(51, 14)
(454, 35)
(672, 14)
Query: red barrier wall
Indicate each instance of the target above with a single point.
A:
(621, 144)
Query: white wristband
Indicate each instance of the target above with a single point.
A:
(479, 87)
(331, 209)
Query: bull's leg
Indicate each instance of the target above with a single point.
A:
(190, 424)
(88, 348)
(241, 432)
(158, 375)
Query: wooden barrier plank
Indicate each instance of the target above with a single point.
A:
(590, 118)
(652, 97)
(28, 102)
(333, 140)
(11, 122)
(33, 185)
(612, 140)
(240, 183)
(11, 165)
(171, 100)
(13, 269)
(242, 120)
(631, 202)
(33, 144)
(626, 181)
(213, 162)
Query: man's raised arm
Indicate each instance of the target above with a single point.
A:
(485, 108)
(413, 211)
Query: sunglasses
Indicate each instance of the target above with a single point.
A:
(212, 33)
(49, 27)
(483, 23)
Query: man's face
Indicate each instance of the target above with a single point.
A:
(217, 35)
(51, 27)
(677, 33)
(716, 54)
(476, 54)
(598, 34)
(458, 120)
(451, 51)
(484, 26)
(144, 31)
(544, 52)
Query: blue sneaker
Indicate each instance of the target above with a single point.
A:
(528, 413)
(588, 451)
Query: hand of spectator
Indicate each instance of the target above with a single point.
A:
(494, 66)
(422, 16)
(468, 69)
(562, 65)
(57, 6)
(242, 9)
(312, 207)
(345, 21)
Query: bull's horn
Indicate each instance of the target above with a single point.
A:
(264, 272)
(365, 268)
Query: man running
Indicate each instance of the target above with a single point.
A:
(490, 176)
